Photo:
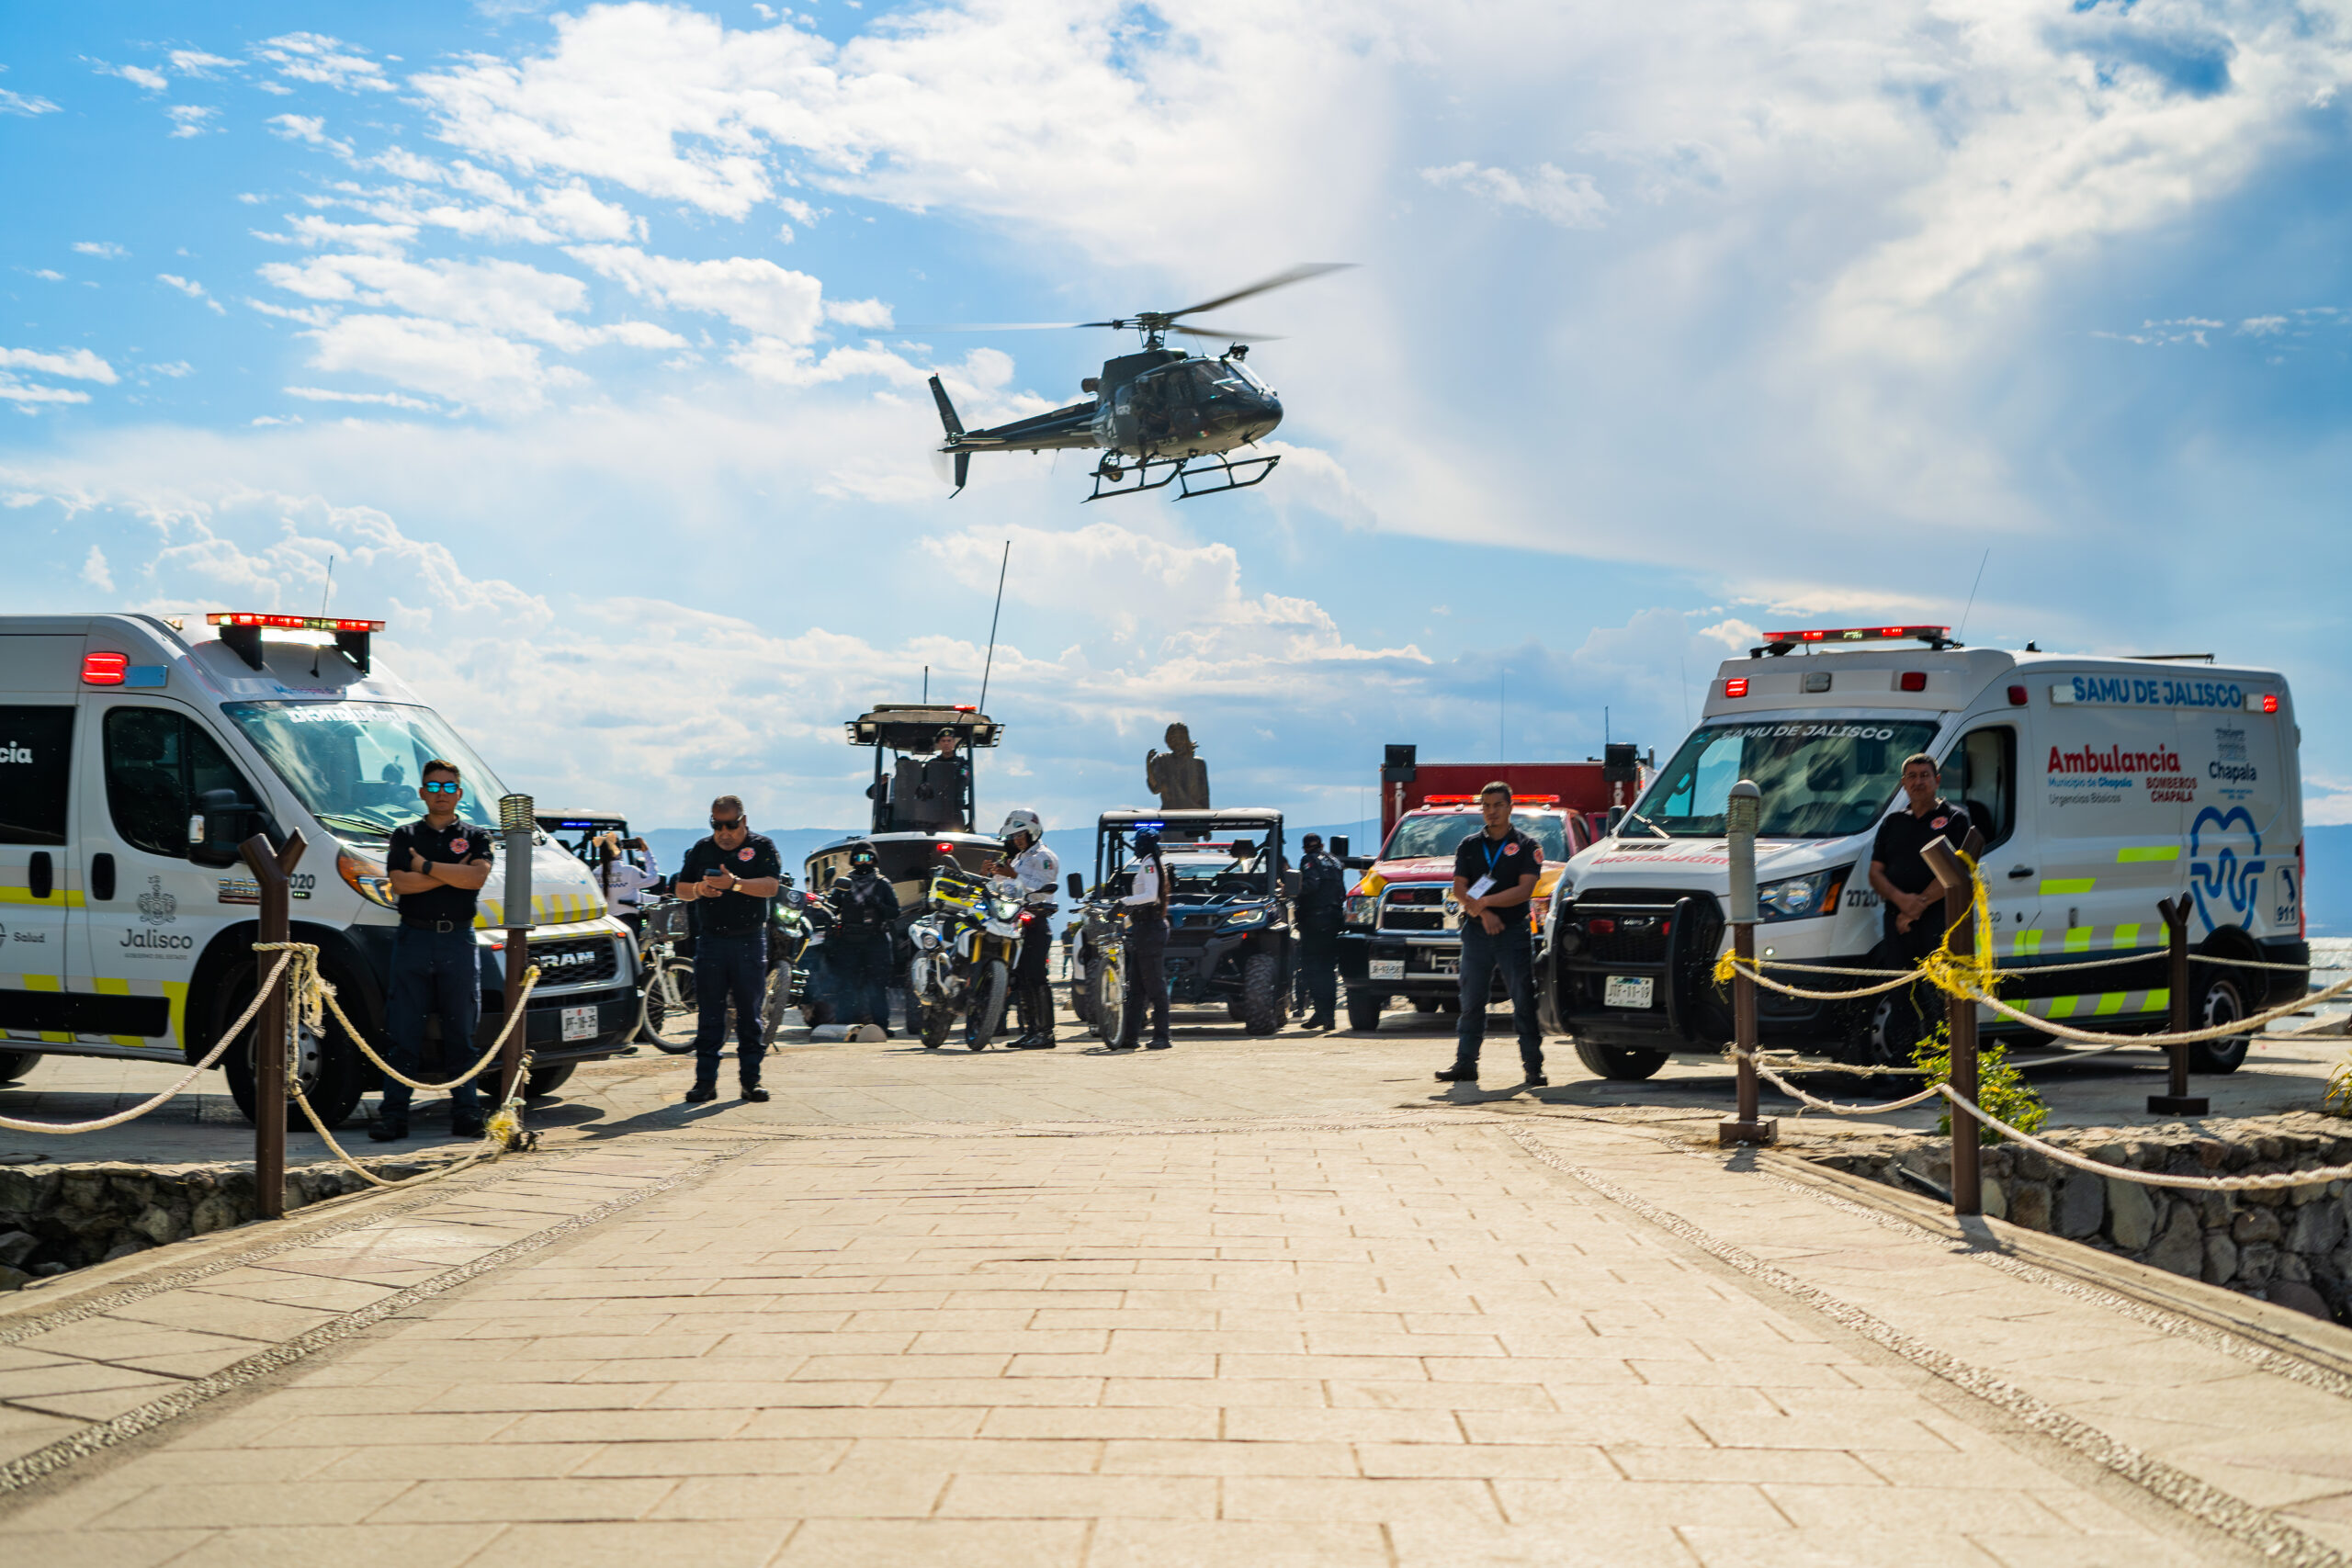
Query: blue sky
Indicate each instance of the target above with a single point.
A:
(575, 337)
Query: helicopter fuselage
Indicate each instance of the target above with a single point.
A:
(1161, 402)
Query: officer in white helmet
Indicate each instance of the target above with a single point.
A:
(1033, 867)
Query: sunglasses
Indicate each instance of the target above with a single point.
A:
(444, 789)
(727, 824)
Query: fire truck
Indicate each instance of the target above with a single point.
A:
(1403, 936)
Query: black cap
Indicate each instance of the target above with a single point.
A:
(1311, 842)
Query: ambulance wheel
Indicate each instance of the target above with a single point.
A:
(333, 1074)
(15, 1065)
(1364, 1008)
(1624, 1065)
(1261, 994)
(2221, 1002)
(545, 1081)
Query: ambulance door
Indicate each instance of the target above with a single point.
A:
(2112, 826)
(152, 912)
(1981, 773)
(39, 892)
(2239, 864)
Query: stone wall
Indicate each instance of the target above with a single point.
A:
(59, 1217)
(2292, 1245)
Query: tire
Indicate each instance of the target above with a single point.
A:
(1109, 986)
(669, 1031)
(15, 1065)
(984, 1012)
(339, 1076)
(545, 1081)
(1364, 1008)
(1261, 994)
(2220, 999)
(777, 999)
(1426, 1004)
(938, 1019)
(1624, 1065)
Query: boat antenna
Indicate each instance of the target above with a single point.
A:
(990, 665)
(1972, 594)
(328, 593)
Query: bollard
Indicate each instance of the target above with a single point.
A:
(514, 820)
(2179, 1102)
(1740, 815)
(270, 868)
(1960, 920)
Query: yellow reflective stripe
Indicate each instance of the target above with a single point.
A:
(105, 987)
(2112, 1001)
(2062, 1007)
(176, 991)
(2054, 885)
(2160, 999)
(72, 896)
(2140, 855)
(2078, 939)
(2027, 942)
(43, 983)
(2127, 936)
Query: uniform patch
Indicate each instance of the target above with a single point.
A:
(1938, 821)
(457, 846)
(745, 853)
(1511, 849)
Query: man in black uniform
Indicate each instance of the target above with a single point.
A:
(731, 875)
(866, 914)
(1494, 876)
(944, 790)
(1910, 899)
(437, 866)
(1322, 900)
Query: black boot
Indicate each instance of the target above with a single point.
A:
(389, 1127)
(1037, 1002)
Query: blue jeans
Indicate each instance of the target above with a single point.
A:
(730, 969)
(1513, 952)
(433, 972)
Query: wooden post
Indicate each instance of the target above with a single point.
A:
(270, 868)
(1741, 813)
(1959, 1012)
(2179, 1101)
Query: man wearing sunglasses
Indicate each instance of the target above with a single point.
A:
(437, 866)
(733, 873)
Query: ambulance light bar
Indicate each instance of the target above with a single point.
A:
(1864, 634)
(241, 629)
(1473, 800)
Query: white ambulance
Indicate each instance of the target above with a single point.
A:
(2101, 786)
(133, 759)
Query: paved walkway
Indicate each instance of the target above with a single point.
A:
(1248, 1302)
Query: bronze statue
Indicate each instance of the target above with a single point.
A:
(1176, 776)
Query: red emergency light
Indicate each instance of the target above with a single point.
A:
(2270, 702)
(1736, 686)
(1473, 799)
(290, 623)
(1912, 680)
(1864, 634)
(105, 669)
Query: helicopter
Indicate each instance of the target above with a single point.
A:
(1154, 414)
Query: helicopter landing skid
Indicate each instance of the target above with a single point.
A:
(1190, 482)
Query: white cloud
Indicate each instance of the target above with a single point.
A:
(106, 248)
(312, 128)
(196, 63)
(314, 57)
(1569, 200)
(94, 572)
(78, 363)
(505, 296)
(464, 365)
(49, 274)
(309, 231)
(189, 119)
(174, 368)
(192, 289)
(138, 76)
(387, 399)
(24, 393)
(755, 294)
(17, 102)
(858, 313)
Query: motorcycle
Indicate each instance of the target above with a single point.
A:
(964, 941)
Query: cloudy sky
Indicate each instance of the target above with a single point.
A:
(590, 344)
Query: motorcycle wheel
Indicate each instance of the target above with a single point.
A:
(938, 1018)
(777, 998)
(984, 1010)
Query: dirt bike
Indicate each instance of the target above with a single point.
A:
(964, 941)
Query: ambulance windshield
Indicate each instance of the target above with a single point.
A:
(1821, 778)
(1422, 837)
(354, 765)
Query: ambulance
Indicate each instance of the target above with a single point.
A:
(136, 753)
(2102, 786)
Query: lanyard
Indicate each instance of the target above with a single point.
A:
(1494, 850)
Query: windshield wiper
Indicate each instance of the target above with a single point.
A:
(341, 819)
(1632, 816)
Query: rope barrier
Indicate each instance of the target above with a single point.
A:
(261, 994)
(2284, 1178)
(314, 992)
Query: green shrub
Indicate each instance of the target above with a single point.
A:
(2001, 1088)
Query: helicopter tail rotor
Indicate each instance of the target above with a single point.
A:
(947, 415)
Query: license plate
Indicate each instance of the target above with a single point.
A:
(1387, 969)
(1629, 991)
(579, 1024)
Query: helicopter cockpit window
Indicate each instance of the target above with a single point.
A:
(1242, 373)
(1206, 379)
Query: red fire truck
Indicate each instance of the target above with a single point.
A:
(1403, 936)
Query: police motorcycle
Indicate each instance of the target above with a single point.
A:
(964, 941)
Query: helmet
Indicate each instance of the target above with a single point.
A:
(863, 853)
(1021, 821)
(1147, 842)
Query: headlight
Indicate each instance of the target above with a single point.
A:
(1245, 917)
(365, 878)
(1362, 909)
(1801, 897)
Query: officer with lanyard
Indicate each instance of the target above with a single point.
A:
(865, 911)
(1322, 905)
(731, 876)
(1146, 907)
(1494, 873)
(1035, 868)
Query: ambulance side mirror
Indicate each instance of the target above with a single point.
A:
(220, 823)
(1616, 815)
(1356, 863)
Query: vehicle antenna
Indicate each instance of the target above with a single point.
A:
(926, 682)
(329, 592)
(1502, 680)
(1972, 594)
(990, 664)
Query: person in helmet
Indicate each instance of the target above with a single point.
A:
(865, 911)
(1146, 907)
(1028, 863)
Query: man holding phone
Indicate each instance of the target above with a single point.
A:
(733, 873)
(1495, 872)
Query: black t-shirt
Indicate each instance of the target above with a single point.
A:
(1322, 893)
(1506, 859)
(733, 912)
(460, 843)
(1902, 835)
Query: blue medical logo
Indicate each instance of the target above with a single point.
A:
(2230, 881)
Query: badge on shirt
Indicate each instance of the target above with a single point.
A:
(745, 853)
(457, 846)
(1511, 849)
(1938, 821)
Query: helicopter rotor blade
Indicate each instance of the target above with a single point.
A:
(995, 326)
(1280, 280)
(1227, 336)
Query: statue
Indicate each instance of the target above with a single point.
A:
(1176, 776)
